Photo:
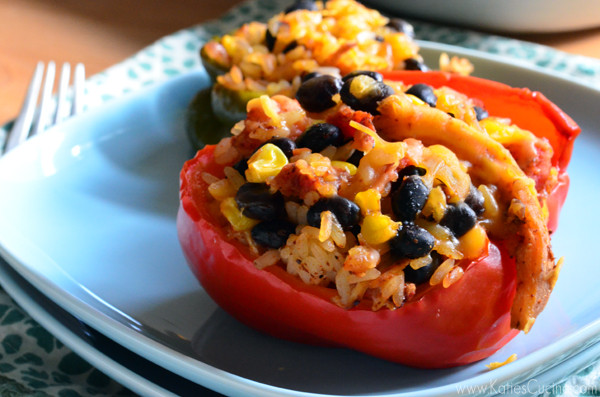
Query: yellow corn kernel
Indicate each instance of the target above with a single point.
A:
(415, 100)
(238, 221)
(474, 243)
(221, 189)
(351, 168)
(369, 201)
(435, 206)
(229, 44)
(265, 163)
(378, 228)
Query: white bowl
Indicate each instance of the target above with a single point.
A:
(509, 16)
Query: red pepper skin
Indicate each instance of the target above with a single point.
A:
(530, 110)
(446, 327)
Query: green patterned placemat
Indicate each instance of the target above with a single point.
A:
(34, 363)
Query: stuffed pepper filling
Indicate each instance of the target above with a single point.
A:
(384, 191)
(309, 37)
(306, 40)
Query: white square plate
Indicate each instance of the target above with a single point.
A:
(92, 225)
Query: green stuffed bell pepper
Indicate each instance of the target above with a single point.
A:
(272, 58)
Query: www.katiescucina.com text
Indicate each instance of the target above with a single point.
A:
(530, 388)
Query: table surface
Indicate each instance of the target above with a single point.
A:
(102, 33)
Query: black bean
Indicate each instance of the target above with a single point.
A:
(301, 5)
(355, 157)
(286, 148)
(400, 25)
(315, 95)
(409, 198)
(272, 234)
(412, 242)
(374, 75)
(415, 64)
(411, 170)
(346, 212)
(459, 218)
(407, 171)
(379, 38)
(241, 167)
(318, 136)
(475, 200)
(424, 273)
(481, 113)
(310, 75)
(424, 92)
(293, 44)
(366, 98)
(355, 230)
(286, 145)
(270, 40)
(256, 201)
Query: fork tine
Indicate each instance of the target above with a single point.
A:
(45, 102)
(63, 86)
(20, 130)
(78, 84)
(22, 126)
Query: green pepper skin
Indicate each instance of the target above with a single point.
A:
(213, 111)
(229, 106)
(201, 124)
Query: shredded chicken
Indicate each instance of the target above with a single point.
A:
(526, 235)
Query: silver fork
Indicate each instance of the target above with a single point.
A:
(30, 123)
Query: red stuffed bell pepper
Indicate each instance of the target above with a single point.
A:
(405, 219)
